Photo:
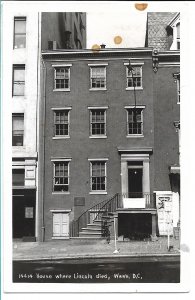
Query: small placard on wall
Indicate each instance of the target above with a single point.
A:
(29, 212)
(79, 201)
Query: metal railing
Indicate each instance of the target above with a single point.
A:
(108, 207)
(87, 217)
(149, 198)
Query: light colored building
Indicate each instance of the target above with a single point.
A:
(27, 30)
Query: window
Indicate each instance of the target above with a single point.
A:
(134, 79)
(62, 78)
(135, 121)
(61, 176)
(18, 80)
(98, 77)
(98, 122)
(19, 32)
(98, 175)
(178, 90)
(61, 123)
(178, 36)
(17, 129)
(18, 177)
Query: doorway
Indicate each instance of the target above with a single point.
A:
(23, 214)
(135, 180)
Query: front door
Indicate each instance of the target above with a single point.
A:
(61, 225)
(135, 182)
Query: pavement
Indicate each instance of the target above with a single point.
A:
(86, 248)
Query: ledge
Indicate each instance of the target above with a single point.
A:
(61, 90)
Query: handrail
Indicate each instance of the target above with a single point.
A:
(104, 208)
(84, 218)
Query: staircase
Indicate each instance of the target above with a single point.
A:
(94, 228)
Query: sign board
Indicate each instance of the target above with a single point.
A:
(165, 214)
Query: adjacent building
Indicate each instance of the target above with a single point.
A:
(29, 33)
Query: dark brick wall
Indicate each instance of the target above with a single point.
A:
(80, 147)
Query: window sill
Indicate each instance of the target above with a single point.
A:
(98, 193)
(60, 137)
(19, 147)
(98, 89)
(98, 137)
(61, 90)
(60, 238)
(140, 88)
(60, 193)
(135, 136)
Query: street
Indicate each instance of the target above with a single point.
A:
(114, 270)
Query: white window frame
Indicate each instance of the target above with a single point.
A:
(18, 18)
(54, 161)
(67, 66)
(23, 142)
(91, 161)
(92, 66)
(134, 65)
(23, 68)
(178, 91)
(91, 109)
(65, 109)
(127, 122)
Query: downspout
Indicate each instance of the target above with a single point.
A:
(44, 127)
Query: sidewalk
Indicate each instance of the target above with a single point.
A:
(74, 248)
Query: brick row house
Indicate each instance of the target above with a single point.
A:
(108, 142)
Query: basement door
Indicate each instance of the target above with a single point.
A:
(61, 225)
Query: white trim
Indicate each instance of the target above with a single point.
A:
(135, 136)
(98, 64)
(90, 119)
(97, 107)
(63, 137)
(61, 159)
(61, 90)
(60, 210)
(133, 106)
(60, 193)
(62, 108)
(98, 193)
(138, 88)
(62, 65)
(134, 63)
(142, 121)
(98, 137)
(97, 159)
(98, 89)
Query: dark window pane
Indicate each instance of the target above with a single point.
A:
(18, 177)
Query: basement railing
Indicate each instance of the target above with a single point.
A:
(108, 207)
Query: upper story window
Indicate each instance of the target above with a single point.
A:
(19, 32)
(178, 36)
(17, 129)
(134, 121)
(18, 80)
(62, 78)
(134, 77)
(98, 122)
(61, 123)
(18, 177)
(98, 77)
(61, 176)
(98, 176)
(176, 77)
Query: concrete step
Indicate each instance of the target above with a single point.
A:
(94, 226)
(90, 234)
(91, 230)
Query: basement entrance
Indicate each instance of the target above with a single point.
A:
(135, 226)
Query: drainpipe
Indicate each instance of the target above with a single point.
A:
(43, 152)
